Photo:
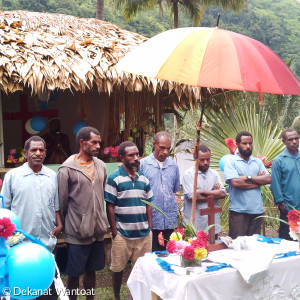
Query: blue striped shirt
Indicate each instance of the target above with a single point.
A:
(126, 193)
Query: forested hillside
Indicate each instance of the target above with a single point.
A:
(275, 23)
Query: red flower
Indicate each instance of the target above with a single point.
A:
(6, 228)
(231, 144)
(161, 239)
(180, 230)
(171, 246)
(262, 158)
(294, 216)
(269, 164)
(201, 235)
(189, 252)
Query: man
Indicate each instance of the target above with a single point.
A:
(130, 219)
(57, 143)
(208, 184)
(285, 179)
(244, 175)
(163, 174)
(30, 191)
(81, 181)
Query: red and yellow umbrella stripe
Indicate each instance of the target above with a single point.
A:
(212, 57)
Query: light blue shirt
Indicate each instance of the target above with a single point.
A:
(164, 183)
(285, 176)
(244, 201)
(205, 180)
(33, 197)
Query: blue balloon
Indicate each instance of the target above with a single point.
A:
(6, 213)
(223, 160)
(38, 123)
(31, 269)
(78, 126)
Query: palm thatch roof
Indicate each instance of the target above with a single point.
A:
(44, 52)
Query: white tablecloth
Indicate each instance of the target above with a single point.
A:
(280, 281)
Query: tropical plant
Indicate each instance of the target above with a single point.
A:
(193, 8)
(266, 136)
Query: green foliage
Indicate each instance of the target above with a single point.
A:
(266, 136)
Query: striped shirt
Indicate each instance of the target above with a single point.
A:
(126, 194)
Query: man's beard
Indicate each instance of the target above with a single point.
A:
(135, 166)
(246, 153)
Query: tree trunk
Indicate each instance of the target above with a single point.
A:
(100, 9)
(175, 10)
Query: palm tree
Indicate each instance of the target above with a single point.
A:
(194, 8)
(100, 9)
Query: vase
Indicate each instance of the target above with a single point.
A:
(190, 262)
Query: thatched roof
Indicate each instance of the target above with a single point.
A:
(46, 51)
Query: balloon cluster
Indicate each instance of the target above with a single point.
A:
(28, 267)
(35, 125)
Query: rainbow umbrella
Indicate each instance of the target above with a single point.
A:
(214, 58)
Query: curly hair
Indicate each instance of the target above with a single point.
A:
(85, 133)
(34, 138)
(123, 146)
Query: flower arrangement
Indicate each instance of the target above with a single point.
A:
(15, 156)
(294, 223)
(111, 152)
(190, 247)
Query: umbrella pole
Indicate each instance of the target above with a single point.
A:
(197, 143)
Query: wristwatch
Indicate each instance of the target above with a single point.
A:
(249, 177)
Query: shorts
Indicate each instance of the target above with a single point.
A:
(123, 249)
(83, 258)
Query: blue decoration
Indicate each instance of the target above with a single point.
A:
(53, 96)
(223, 160)
(6, 213)
(38, 123)
(31, 269)
(43, 104)
(78, 126)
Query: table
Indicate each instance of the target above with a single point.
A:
(281, 281)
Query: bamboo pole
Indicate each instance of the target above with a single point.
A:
(197, 143)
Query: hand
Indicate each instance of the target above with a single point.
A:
(261, 173)
(244, 177)
(282, 206)
(114, 233)
(56, 231)
(217, 186)
(200, 192)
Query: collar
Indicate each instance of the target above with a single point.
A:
(237, 157)
(154, 162)
(29, 171)
(288, 154)
(123, 172)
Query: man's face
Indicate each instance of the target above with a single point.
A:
(36, 154)
(291, 141)
(162, 148)
(131, 160)
(204, 160)
(92, 146)
(245, 146)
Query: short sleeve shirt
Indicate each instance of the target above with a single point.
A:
(244, 201)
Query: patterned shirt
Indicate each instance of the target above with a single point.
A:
(126, 194)
(164, 181)
(206, 180)
(33, 197)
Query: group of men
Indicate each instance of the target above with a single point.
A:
(73, 200)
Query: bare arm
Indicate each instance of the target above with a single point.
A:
(59, 226)
(111, 218)
(241, 182)
(216, 192)
(149, 215)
